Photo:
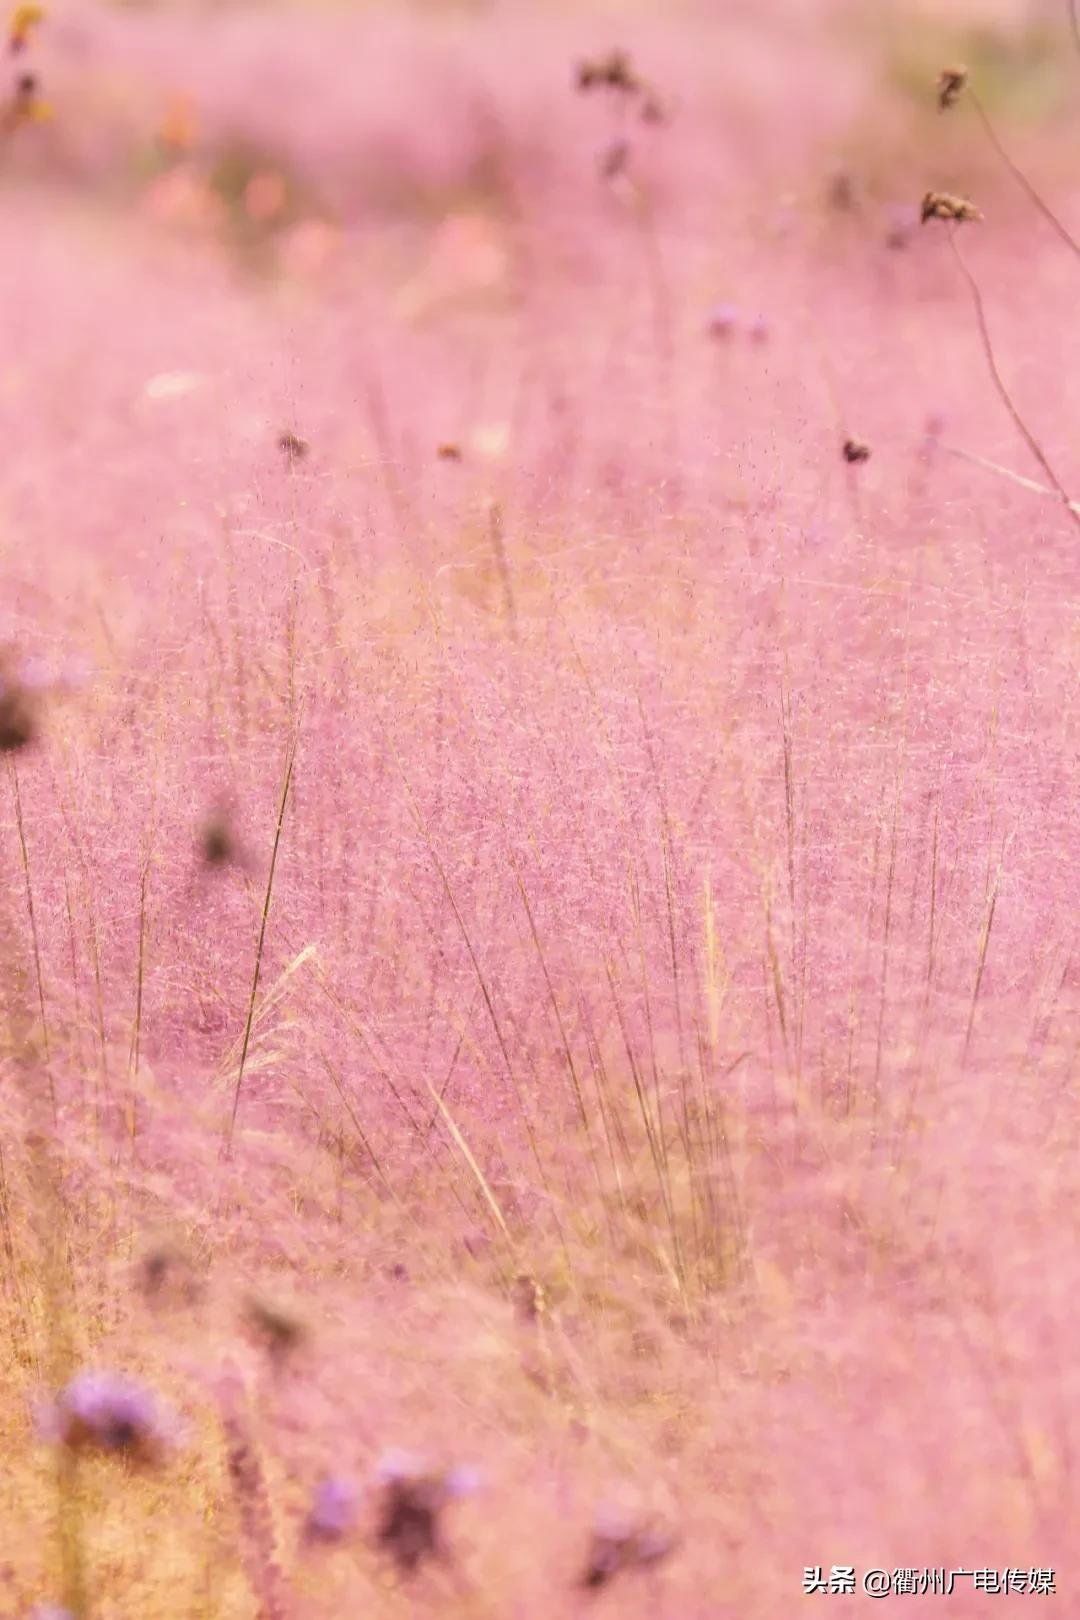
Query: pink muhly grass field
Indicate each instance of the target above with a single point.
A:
(540, 972)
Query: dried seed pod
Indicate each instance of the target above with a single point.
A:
(611, 72)
(411, 1504)
(951, 84)
(943, 205)
(219, 843)
(165, 1272)
(216, 842)
(293, 446)
(277, 1330)
(19, 705)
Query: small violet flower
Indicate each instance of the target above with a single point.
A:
(108, 1413)
(333, 1510)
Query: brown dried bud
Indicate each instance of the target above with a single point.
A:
(951, 84)
(612, 72)
(279, 1332)
(217, 841)
(942, 205)
(292, 446)
(19, 706)
(855, 451)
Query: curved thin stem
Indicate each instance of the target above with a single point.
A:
(999, 384)
(1017, 173)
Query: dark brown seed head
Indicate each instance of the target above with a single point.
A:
(18, 722)
(292, 446)
(855, 451)
(217, 842)
(411, 1502)
(19, 706)
(611, 72)
(950, 85)
(279, 1332)
(943, 205)
(165, 1272)
(408, 1527)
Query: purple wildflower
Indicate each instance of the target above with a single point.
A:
(333, 1510)
(106, 1412)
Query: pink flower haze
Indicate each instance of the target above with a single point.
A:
(538, 794)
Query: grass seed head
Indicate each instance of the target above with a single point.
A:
(293, 447)
(217, 841)
(19, 706)
(611, 72)
(951, 84)
(280, 1333)
(943, 205)
(412, 1499)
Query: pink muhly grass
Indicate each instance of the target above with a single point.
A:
(637, 1027)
